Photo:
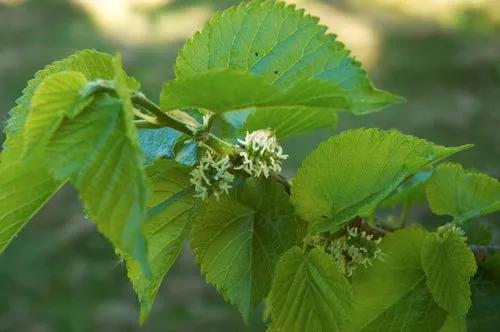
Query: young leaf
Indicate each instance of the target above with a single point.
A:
(392, 295)
(309, 293)
(94, 65)
(238, 240)
(349, 174)
(449, 265)
(462, 194)
(284, 47)
(166, 228)
(226, 90)
(57, 97)
(20, 177)
(95, 152)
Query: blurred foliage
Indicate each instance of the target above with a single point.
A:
(60, 275)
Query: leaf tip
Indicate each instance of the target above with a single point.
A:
(144, 313)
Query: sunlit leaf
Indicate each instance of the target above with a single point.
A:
(95, 152)
(57, 97)
(349, 174)
(18, 178)
(283, 46)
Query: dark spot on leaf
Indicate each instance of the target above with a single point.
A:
(275, 71)
(256, 53)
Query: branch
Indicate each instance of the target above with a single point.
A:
(177, 120)
(145, 124)
(281, 179)
(165, 119)
(184, 123)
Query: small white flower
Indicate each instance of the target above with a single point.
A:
(211, 176)
(355, 248)
(261, 153)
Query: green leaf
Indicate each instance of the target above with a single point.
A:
(94, 65)
(123, 91)
(25, 185)
(449, 265)
(24, 188)
(351, 173)
(94, 150)
(392, 295)
(409, 192)
(227, 90)
(454, 324)
(238, 240)
(309, 293)
(284, 122)
(57, 97)
(284, 47)
(170, 206)
(462, 194)
(158, 143)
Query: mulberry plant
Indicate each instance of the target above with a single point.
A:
(205, 166)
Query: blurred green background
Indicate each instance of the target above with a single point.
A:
(60, 275)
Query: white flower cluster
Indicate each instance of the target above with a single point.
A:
(261, 153)
(354, 249)
(451, 229)
(211, 176)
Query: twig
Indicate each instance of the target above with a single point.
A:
(363, 226)
(281, 179)
(139, 99)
